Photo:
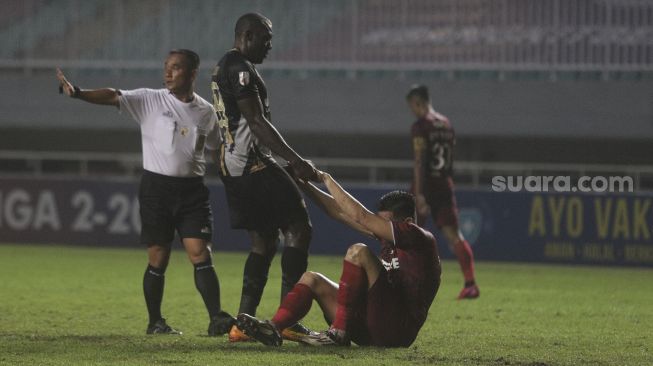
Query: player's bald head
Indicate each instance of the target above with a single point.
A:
(252, 22)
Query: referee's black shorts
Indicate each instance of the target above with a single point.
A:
(173, 203)
(264, 200)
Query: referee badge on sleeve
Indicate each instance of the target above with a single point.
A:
(243, 78)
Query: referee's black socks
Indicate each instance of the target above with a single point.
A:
(153, 282)
(206, 282)
(294, 262)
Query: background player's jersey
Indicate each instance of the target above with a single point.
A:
(414, 269)
(435, 134)
(236, 78)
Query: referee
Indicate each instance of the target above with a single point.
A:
(177, 126)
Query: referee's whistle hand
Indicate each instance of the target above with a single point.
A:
(64, 85)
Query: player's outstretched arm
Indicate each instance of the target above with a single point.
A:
(377, 225)
(104, 96)
(268, 135)
(326, 202)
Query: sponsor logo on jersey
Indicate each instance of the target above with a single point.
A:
(243, 78)
(167, 114)
(393, 264)
(206, 230)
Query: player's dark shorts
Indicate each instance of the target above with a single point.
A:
(264, 200)
(439, 194)
(383, 320)
(172, 203)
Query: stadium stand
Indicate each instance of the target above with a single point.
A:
(516, 76)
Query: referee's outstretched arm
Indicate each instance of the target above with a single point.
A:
(106, 96)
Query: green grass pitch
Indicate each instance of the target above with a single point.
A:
(68, 306)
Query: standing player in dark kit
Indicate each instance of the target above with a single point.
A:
(379, 302)
(433, 142)
(262, 197)
(177, 126)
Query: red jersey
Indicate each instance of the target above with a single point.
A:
(413, 266)
(435, 134)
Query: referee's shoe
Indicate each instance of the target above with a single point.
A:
(161, 327)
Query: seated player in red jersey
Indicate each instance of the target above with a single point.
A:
(379, 301)
(433, 142)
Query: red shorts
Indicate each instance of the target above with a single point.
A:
(440, 197)
(381, 320)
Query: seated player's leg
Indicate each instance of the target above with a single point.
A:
(298, 302)
(293, 308)
(324, 291)
(361, 269)
(362, 256)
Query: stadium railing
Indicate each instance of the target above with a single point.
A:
(472, 174)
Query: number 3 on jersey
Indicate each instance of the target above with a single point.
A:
(440, 160)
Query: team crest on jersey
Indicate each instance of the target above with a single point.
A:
(184, 131)
(243, 78)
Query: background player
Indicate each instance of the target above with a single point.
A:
(378, 302)
(262, 197)
(433, 142)
(177, 125)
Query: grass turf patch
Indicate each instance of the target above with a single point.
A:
(67, 305)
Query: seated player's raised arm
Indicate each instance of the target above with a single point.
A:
(326, 202)
(375, 224)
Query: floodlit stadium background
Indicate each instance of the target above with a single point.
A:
(533, 88)
(544, 88)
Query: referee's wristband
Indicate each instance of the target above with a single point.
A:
(76, 92)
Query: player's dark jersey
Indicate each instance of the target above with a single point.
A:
(236, 78)
(413, 266)
(435, 134)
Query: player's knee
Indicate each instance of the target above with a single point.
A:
(309, 279)
(198, 254)
(158, 256)
(357, 253)
(200, 257)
